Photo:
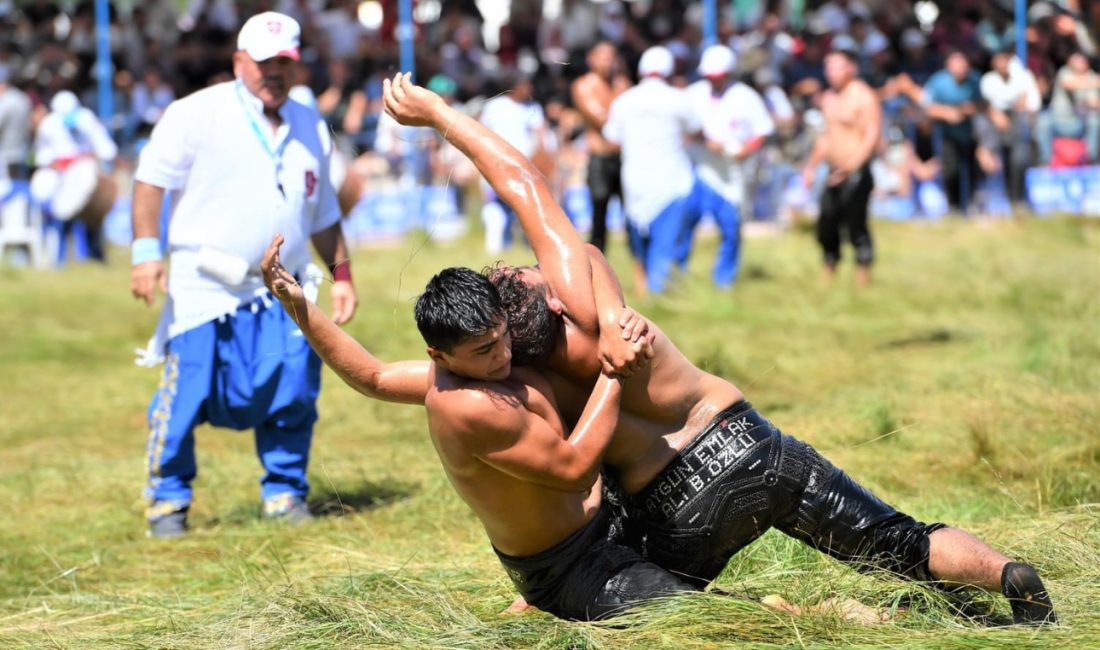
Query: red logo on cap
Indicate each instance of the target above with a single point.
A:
(274, 26)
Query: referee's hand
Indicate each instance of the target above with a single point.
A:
(146, 278)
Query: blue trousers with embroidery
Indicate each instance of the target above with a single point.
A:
(253, 369)
(657, 248)
(706, 200)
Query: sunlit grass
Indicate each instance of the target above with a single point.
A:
(964, 386)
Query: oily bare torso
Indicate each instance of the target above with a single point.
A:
(598, 88)
(846, 114)
(663, 407)
(520, 517)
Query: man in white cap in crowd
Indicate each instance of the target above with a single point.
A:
(242, 162)
(735, 123)
(651, 123)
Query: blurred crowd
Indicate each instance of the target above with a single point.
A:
(961, 110)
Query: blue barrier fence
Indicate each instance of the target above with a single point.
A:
(1073, 190)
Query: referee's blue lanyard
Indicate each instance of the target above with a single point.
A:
(276, 154)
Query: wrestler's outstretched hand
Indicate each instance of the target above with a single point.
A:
(280, 282)
(410, 104)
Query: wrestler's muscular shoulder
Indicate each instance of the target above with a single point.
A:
(466, 415)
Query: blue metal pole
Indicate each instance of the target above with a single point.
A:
(710, 22)
(103, 69)
(405, 36)
(1021, 27)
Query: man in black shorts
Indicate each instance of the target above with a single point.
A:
(593, 93)
(853, 121)
(705, 473)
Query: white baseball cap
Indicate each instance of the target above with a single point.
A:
(64, 102)
(717, 61)
(656, 60)
(268, 35)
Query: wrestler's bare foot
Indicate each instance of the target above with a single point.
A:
(848, 609)
(779, 603)
(518, 606)
(863, 276)
(828, 276)
(852, 610)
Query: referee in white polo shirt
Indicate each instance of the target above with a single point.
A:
(735, 124)
(241, 162)
(650, 123)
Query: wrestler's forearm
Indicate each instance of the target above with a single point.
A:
(556, 244)
(404, 382)
(608, 291)
(512, 176)
(593, 433)
(146, 210)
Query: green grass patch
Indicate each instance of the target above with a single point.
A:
(963, 386)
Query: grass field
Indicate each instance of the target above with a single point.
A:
(964, 387)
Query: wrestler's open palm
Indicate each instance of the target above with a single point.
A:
(279, 281)
(408, 103)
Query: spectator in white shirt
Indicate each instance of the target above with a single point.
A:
(735, 123)
(520, 121)
(243, 163)
(1013, 98)
(651, 122)
(70, 145)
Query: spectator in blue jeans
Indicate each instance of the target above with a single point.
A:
(650, 123)
(735, 123)
(1013, 97)
(952, 97)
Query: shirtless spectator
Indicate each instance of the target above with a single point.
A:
(853, 123)
(593, 93)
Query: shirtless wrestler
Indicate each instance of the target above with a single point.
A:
(497, 428)
(593, 93)
(704, 472)
(853, 123)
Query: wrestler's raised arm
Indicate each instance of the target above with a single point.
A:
(405, 382)
(557, 246)
(625, 341)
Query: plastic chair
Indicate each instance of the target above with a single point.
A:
(21, 224)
